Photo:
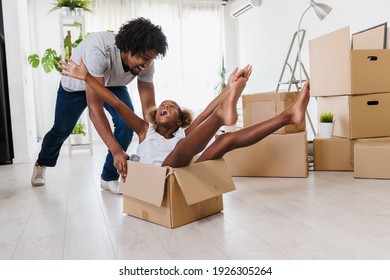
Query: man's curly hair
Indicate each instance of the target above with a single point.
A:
(185, 116)
(140, 35)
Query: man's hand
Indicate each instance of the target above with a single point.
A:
(120, 163)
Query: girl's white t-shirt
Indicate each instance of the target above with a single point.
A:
(155, 148)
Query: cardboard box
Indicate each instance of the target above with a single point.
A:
(372, 160)
(376, 139)
(260, 107)
(358, 116)
(370, 38)
(333, 154)
(388, 38)
(335, 69)
(278, 155)
(172, 197)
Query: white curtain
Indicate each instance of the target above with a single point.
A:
(189, 72)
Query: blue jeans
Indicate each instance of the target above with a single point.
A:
(69, 107)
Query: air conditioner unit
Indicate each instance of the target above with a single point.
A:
(238, 7)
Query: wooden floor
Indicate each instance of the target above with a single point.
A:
(328, 216)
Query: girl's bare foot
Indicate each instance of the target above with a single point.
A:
(298, 108)
(227, 110)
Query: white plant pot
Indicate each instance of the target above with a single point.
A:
(78, 11)
(65, 11)
(325, 130)
(76, 139)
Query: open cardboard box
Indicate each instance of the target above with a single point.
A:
(335, 69)
(172, 197)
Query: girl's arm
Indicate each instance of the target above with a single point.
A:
(80, 72)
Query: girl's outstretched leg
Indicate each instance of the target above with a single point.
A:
(197, 140)
(294, 114)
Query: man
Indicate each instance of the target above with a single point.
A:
(114, 60)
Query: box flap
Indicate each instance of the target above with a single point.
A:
(204, 180)
(145, 182)
(329, 63)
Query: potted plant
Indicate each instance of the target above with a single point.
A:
(64, 5)
(222, 78)
(78, 133)
(326, 125)
(222, 83)
(68, 6)
(50, 59)
(82, 5)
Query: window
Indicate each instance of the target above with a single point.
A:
(189, 72)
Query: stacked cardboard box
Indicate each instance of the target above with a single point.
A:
(352, 84)
(281, 154)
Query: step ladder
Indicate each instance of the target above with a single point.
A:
(298, 38)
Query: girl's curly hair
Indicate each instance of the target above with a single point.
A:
(185, 116)
(140, 35)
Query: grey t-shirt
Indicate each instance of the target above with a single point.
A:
(102, 59)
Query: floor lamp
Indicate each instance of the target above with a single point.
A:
(321, 11)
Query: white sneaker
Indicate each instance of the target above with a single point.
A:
(111, 186)
(39, 175)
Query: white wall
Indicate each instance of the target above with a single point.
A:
(262, 36)
(43, 33)
(20, 84)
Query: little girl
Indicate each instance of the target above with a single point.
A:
(164, 141)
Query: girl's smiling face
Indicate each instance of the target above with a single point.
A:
(168, 112)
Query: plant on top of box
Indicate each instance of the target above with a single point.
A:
(326, 125)
(327, 117)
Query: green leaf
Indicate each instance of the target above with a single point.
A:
(47, 64)
(67, 43)
(33, 60)
(77, 42)
(49, 60)
(57, 63)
